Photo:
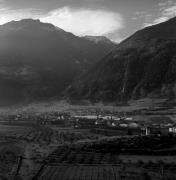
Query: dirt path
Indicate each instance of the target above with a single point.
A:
(28, 167)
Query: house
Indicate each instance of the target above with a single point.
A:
(172, 129)
(124, 125)
(84, 121)
(133, 125)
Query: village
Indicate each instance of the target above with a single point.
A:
(125, 124)
(116, 124)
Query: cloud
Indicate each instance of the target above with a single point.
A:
(85, 21)
(166, 10)
(156, 21)
(80, 22)
(7, 14)
(164, 4)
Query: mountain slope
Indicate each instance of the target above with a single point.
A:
(38, 60)
(98, 39)
(142, 65)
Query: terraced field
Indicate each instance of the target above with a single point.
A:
(105, 172)
(102, 160)
(75, 164)
(73, 172)
(48, 136)
(66, 155)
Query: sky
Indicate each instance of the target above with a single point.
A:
(115, 19)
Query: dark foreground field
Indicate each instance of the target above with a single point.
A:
(106, 172)
(51, 153)
(110, 159)
(43, 151)
(25, 148)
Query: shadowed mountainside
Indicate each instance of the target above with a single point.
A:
(142, 65)
(38, 60)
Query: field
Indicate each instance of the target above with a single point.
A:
(106, 159)
(50, 153)
(47, 151)
(33, 144)
(105, 172)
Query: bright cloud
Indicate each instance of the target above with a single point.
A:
(78, 21)
(167, 10)
(85, 21)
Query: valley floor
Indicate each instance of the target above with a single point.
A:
(30, 149)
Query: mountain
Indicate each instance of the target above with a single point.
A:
(38, 60)
(99, 39)
(140, 66)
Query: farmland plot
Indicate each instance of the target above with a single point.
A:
(102, 172)
(35, 144)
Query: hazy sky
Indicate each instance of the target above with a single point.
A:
(116, 19)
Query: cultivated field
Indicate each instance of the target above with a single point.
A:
(106, 172)
(32, 144)
(30, 149)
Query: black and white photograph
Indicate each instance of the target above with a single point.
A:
(87, 89)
